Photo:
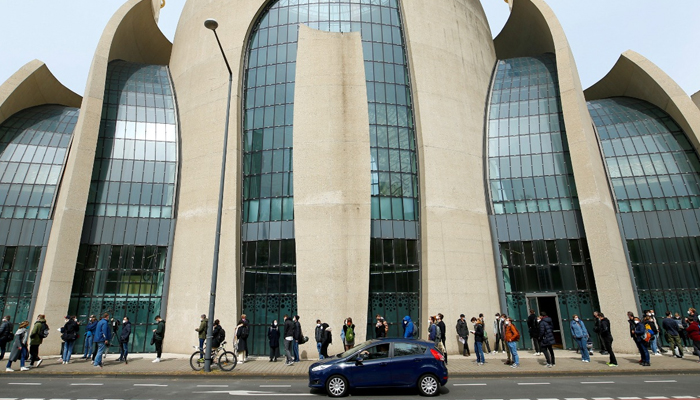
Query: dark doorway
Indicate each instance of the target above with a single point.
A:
(549, 305)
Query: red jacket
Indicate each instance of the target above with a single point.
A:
(693, 331)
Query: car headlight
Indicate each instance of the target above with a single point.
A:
(320, 367)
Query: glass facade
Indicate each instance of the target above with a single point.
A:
(655, 174)
(33, 151)
(129, 218)
(268, 127)
(541, 240)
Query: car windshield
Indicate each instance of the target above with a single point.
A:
(355, 349)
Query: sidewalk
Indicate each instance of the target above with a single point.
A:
(567, 363)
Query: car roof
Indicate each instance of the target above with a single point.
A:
(403, 340)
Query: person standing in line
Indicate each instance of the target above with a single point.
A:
(318, 335)
(218, 335)
(115, 324)
(18, 351)
(672, 337)
(242, 333)
(693, 314)
(596, 330)
(512, 336)
(408, 327)
(497, 330)
(124, 340)
(381, 329)
(40, 330)
(273, 335)
(70, 335)
(639, 333)
(288, 340)
(102, 337)
(434, 333)
(327, 339)
(533, 331)
(682, 325)
(478, 333)
(504, 346)
(202, 333)
(89, 336)
(547, 338)
(349, 331)
(580, 335)
(486, 344)
(463, 333)
(158, 336)
(650, 324)
(659, 342)
(443, 333)
(5, 335)
(298, 337)
(693, 330)
(606, 337)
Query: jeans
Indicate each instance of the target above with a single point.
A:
(318, 347)
(125, 350)
(201, 348)
(479, 350)
(88, 346)
(513, 346)
(583, 345)
(22, 357)
(288, 350)
(642, 350)
(68, 350)
(296, 351)
(654, 347)
(101, 348)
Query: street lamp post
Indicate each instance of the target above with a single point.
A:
(212, 25)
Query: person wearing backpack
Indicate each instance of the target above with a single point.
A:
(103, 334)
(158, 336)
(202, 333)
(640, 333)
(606, 337)
(218, 335)
(5, 335)
(349, 330)
(580, 335)
(512, 336)
(39, 332)
(650, 325)
(273, 334)
(485, 344)
(242, 332)
(672, 337)
(18, 351)
(69, 336)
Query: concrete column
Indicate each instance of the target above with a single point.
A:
(332, 183)
(451, 58)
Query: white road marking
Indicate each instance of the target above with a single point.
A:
(575, 398)
(533, 383)
(253, 393)
(87, 384)
(212, 386)
(684, 397)
(656, 397)
(629, 398)
(149, 385)
(603, 398)
(25, 383)
(596, 383)
(275, 386)
(468, 384)
(8, 398)
(666, 381)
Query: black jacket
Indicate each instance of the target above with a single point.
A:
(70, 331)
(6, 331)
(273, 334)
(478, 333)
(604, 328)
(160, 330)
(546, 332)
(216, 337)
(441, 325)
(327, 337)
(379, 330)
(670, 326)
(632, 327)
(532, 328)
(318, 333)
(462, 330)
(289, 328)
(126, 332)
(298, 335)
(652, 325)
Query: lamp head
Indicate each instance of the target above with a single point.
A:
(211, 24)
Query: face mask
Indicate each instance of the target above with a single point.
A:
(275, 323)
(124, 321)
(576, 319)
(507, 322)
(318, 324)
(636, 322)
(648, 314)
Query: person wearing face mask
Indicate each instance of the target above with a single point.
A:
(486, 344)
(504, 343)
(327, 339)
(89, 336)
(441, 325)
(672, 337)
(478, 333)
(693, 314)
(273, 335)
(547, 338)
(349, 329)
(463, 333)
(648, 320)
(681, 330)
(607, 338)
(381, 329)
(498, 333)
(512, 336)
(202, 333)
(69, 336)
(318, 335)
(639, 332)
(124, 340)
(580, 335)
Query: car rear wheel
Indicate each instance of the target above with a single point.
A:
(428, 385)
(337, 386)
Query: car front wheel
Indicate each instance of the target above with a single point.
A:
(428, 385)
(337, 386)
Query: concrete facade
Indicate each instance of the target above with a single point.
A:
(612, 274)
(332, 181)
(696, 99)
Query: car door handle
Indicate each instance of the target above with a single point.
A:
(416, 359)
(383, 364)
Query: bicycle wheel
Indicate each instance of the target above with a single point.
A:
(196, 361)
(227, 361)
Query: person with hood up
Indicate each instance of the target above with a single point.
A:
(408, 327)
(273, 334)
(124, 340)
(19, 348)
(69, 336)
(580, 335)
(547, 338)
(89, 337)
(326, 340)
(463, 333)
(639, 332)
(478, 333)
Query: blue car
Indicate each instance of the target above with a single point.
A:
(388, 362)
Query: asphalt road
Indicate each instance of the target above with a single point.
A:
(612, 387)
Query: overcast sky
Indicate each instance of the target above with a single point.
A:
(64, 34)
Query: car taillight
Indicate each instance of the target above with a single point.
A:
(438, 356)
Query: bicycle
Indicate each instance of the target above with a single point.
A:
(226, 360)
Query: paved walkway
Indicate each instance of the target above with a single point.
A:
(567, 362)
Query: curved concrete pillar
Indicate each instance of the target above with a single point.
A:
(533, 29)
(33, 85)
(635, 76)
(451, 59)
(696, 99)
(200, 79)
(130, 35)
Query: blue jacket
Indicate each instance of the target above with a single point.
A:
(90, 329)
(433, 332)
(639, 332)
(408, 327)
(102, 331)
(578, 330)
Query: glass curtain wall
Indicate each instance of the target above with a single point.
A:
(541, 239)
(33, 151)
(655, 174)
(129, 217)
(267, 171)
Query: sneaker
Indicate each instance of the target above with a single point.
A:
(611, 365)
(586, 360)
(157, 360)
(480, 363)
(38, 363)
(657, 354)
(290, 364)
(548, 365)
(515, 365)
(494, 352)
(24, 369)
(504, 352)
(9, 370)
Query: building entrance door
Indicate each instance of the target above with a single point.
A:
(549, 304)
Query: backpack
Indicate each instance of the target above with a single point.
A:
(647, 336)
(349, 335)
(438, 334)
(649, 330)
(221, 336)
(415, 333)
(244, 332)
(44, 332)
